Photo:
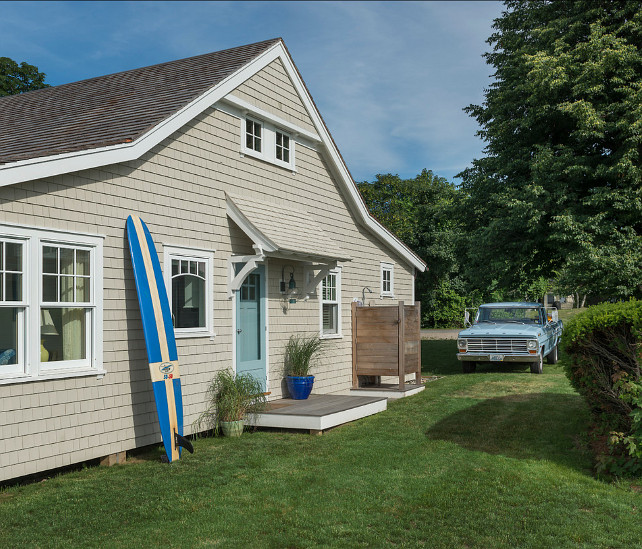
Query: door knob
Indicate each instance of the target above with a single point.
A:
(238, 330)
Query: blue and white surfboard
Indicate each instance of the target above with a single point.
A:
(159, 337)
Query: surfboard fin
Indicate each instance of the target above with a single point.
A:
(183, 442)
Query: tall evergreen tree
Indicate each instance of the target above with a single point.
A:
(558, 193)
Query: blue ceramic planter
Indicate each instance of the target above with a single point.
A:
(300, 387)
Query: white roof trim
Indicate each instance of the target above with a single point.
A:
(49, 166)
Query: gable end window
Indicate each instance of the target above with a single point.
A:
(253, 135)
(262, 140)
(188, 279)
(387, 280)
(282, 147)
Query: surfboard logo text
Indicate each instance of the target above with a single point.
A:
(166, 368)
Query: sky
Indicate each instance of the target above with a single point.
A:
(389, 78)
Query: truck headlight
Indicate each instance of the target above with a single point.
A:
(531, 345)
(462, 344)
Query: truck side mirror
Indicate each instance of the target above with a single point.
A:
(466, 318)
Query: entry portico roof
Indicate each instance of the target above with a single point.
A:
(283, 231)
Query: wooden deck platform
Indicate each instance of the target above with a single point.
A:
(319, 412)
(389, 390)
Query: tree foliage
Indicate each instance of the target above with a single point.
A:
(558, 193)
(19, 78)
(419, 212)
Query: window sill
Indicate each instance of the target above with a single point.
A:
(389, 296)
(268, 159)
(187, 335)
(331, 336)
(59, 374)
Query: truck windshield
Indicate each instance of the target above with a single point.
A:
(523, 315)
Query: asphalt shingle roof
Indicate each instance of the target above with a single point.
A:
(112, 109)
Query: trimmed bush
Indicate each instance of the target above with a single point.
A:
(604, 345)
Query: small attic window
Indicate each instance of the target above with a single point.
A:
(265, 141)
(253, 135)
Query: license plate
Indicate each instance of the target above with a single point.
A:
(496, 358)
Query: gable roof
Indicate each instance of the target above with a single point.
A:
(112, 109)
(120, 117)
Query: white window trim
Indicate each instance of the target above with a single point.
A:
(389, 267)
(34, 239)
(268, 143)
(183, 252)
(339, 333)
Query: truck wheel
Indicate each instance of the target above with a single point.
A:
(469, 367)
(537, 367)
(552, 357)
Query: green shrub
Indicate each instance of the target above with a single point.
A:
(604, 345)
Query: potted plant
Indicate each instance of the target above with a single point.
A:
(232, 398)
(299, 352)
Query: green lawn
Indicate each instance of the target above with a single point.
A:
(493, 459)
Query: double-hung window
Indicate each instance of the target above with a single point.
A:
(66, 306)
(387, 280)
(50, 304)
(188, 279)
(331, 304)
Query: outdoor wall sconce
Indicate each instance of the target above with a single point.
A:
(291, 286)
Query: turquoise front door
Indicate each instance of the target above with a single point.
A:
(250, 326)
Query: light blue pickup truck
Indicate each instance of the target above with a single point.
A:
(510, 332)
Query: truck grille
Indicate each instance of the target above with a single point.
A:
(487, 345)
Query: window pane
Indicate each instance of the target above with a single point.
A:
(82, 262)
(286, 156)
(257, 144)
(13, 287)
(13, 257)
(49, 259)
(184, 266)
(63, 334)
(9, 336)
(82, 290)
(49, 288)
(201, 269)
(66, 289)
(175, 266)
(188, 302)
(193, 269)
(66, 261)
(330, 318)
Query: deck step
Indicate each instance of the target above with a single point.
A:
(319, 412)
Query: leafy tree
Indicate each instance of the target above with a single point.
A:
(558, 193)
(419, 212)
(18, 78)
